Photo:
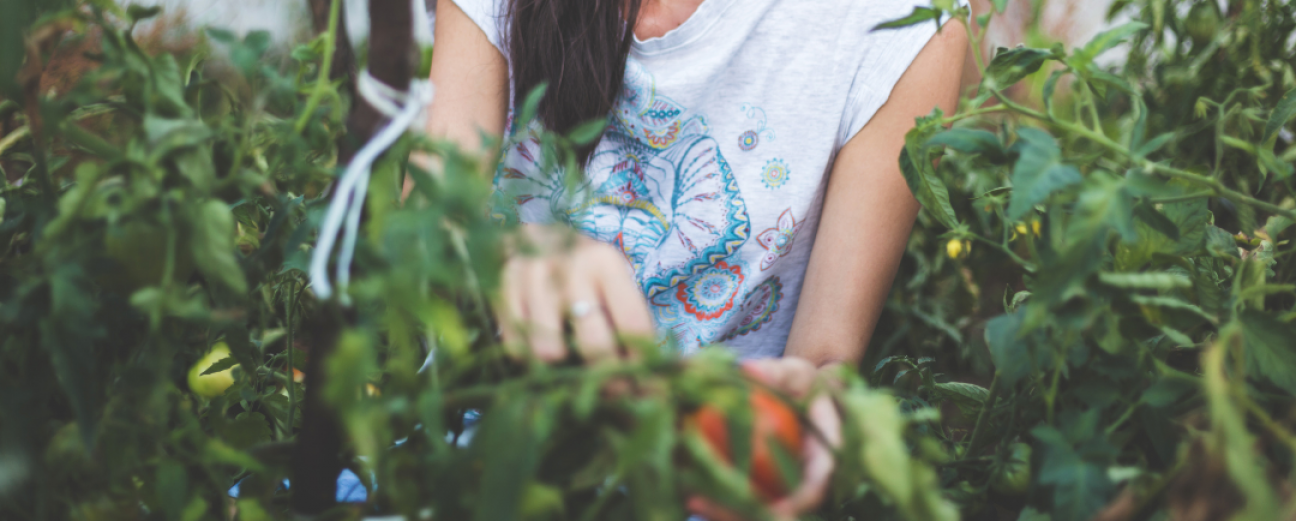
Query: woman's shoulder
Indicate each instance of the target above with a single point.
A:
(490, 16)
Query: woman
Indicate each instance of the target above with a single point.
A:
(747, 177)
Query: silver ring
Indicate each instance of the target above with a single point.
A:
(581, 308)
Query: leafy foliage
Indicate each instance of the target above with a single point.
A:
(1120, 298)
(1130, 294)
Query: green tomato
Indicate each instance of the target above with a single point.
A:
(215, 384)
(1202, 22)
(1014, 477)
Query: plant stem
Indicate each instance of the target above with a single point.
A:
(1212, 183)
(1274, 427)
(1181, 198)
(973, 113)
(322, 82)
(292, 383)
(1129, 411)
(1027, 265)
(983, 419)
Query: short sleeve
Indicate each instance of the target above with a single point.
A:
(489, 15)
(885, 56)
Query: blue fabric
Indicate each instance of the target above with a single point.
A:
(349, 487)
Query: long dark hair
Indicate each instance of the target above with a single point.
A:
(580, 48)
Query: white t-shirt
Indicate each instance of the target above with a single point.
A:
(711, 174)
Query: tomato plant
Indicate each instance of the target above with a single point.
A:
(1092, 317)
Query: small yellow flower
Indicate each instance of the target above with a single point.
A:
(1021, 229)
(1035, 227)
(957, 249)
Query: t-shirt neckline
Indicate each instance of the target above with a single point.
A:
(697, 24)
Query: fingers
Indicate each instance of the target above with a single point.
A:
(817, 473)
(795, 376)
(798, 378)
(626, 307)
(592, 329)
(588, 287)
(511, 308)
(543, 319)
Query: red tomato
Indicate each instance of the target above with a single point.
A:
(771, 420)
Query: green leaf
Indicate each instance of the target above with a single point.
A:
(172, 487)
(509, 443)
(999, 5)
(588, 132)
(1104, 199)
(1155, 144)
(1189, 217)
(1156, 220)
(969, 398)
(246, 429)
(1270, 162)
(221, 365)
(1009, 353)
(1011, 65)
(1080, 486)
(1106, 40)
(1179, 338)
(971, 141)
(967, 391)
(1282, 113)
(1146, 280)
(1029, 513)
(531, 106)
(212, 245)
(1165, 392)
(1039, 172)
(221, 35)
(1100, 80)
(167, 134)
(919, 15)
(1220, 243)
(1171, 303)
(1050, 85)
(1270, 352)
(194, 510)
(138, 12)
(916, 165)
(250, 509)
(218, 452)
(240, 345)
(69, 334)
(196, 165)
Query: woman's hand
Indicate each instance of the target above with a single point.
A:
(562, 278)
(798, 378)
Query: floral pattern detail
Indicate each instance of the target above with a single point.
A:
(711, 293)
(751, 138)
(775, 174)
(777, 241)
(657, 187)
(758, 308)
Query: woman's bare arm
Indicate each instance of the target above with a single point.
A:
(471, 79)
(539, 290)
(868, 213)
